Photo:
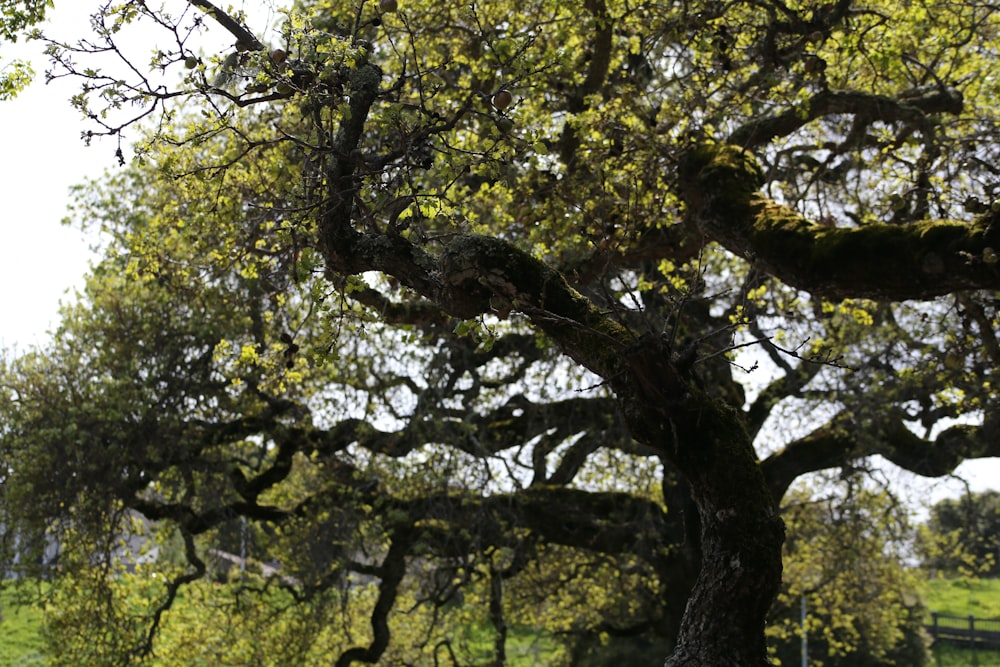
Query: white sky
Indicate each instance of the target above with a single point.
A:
(42, 261)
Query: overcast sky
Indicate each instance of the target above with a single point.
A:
(40, 259)
(43, 261)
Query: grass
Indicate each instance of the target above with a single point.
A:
(525, 647)
(21, 645)
(962, 597)
(952, 656)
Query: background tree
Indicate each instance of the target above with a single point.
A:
(963, 535)
(846, 555)
(475, 287)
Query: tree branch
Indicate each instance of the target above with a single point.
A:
(837, 443)
(243, 36)
(911, 108)
(879, 261)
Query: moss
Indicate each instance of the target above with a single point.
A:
(779, 229)
(721, 188)
(724, 456)
(712, 164)
(720, 185)
(868, 258)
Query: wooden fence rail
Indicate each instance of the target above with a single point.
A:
(965, 630)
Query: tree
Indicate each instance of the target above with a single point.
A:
(15, 18)
(845, 559)
(962, 535)
(360, 297)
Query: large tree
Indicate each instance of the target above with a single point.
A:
(481, 286)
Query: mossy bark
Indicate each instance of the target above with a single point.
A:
(741, 533)
(880, 261)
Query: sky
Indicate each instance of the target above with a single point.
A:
(42, 261)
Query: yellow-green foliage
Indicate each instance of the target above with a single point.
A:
(246, 621)
(232, 353)
(16, 17)
(862, 599)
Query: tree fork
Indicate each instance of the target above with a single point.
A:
(741, 531)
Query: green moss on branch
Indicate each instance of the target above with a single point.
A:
(880, 261)
(482, 274)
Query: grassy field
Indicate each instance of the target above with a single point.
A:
(950, 656)
(20, 645)
(962, 597)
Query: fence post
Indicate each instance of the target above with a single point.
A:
(934, 627)
(972, 640)
(805, 635)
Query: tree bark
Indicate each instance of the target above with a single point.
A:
(889, 262)
(741, 531)
(740, 574)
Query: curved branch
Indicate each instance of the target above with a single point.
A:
(836, 444)
(911, 108)
(408, 311)
(940, 456)
(173, 588)
(827, 447)
(391, 573)
(879, 261)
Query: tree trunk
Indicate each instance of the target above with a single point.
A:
(661, 399)
(741, 530)
(740, 575)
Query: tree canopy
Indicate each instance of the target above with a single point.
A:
(542, 305)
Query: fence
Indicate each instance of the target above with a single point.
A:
(965, 630)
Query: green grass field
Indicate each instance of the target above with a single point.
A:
(962, 597)
(20, 644)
